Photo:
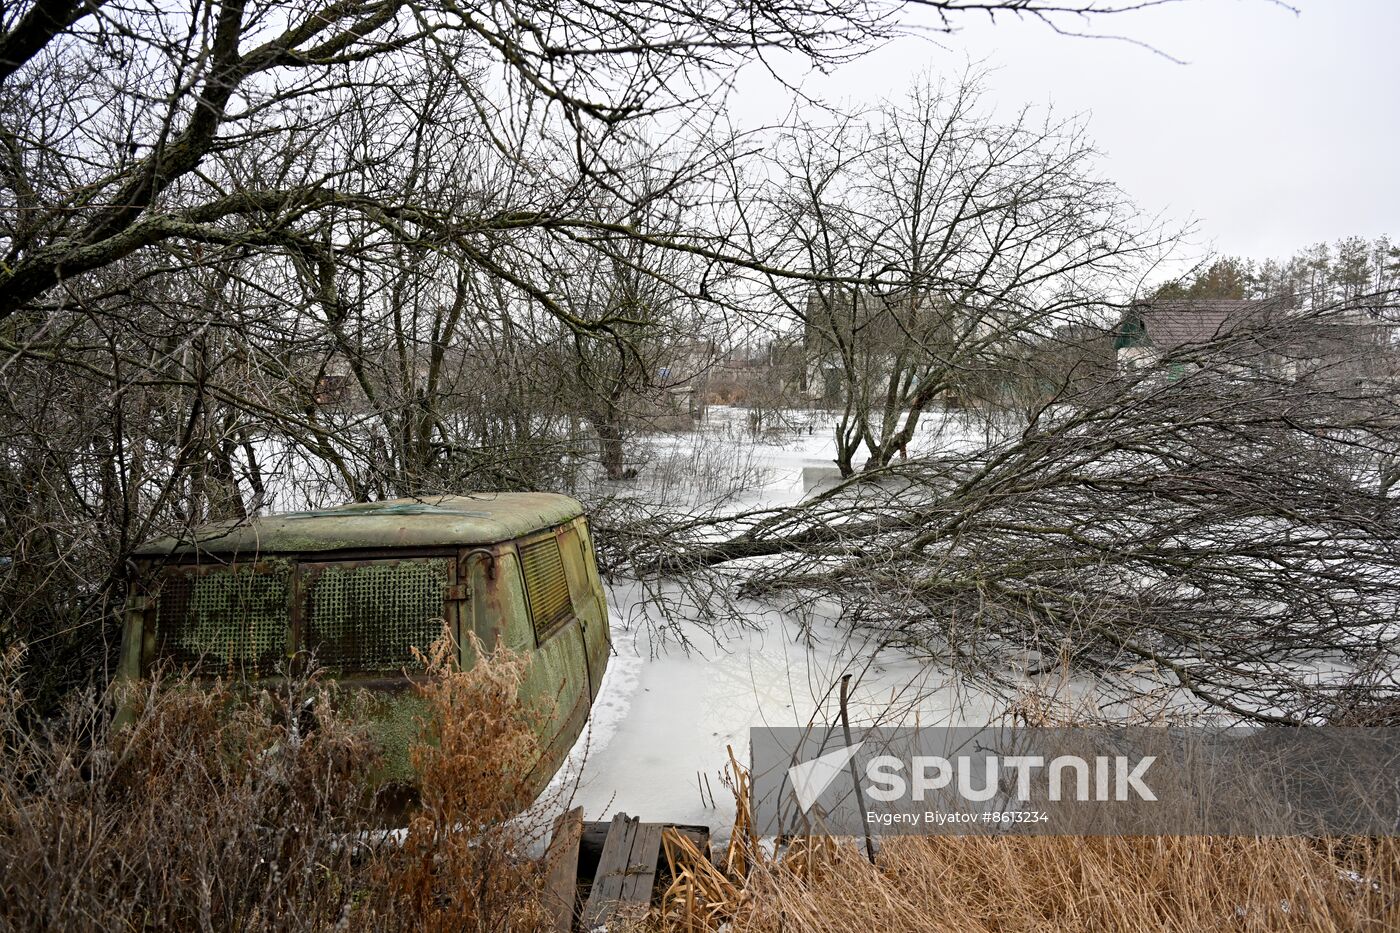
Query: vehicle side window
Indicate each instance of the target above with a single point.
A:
(546, 586)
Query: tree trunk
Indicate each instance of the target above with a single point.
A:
(610, 447)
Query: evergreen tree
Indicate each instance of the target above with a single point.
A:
(1321, 274)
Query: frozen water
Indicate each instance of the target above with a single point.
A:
(667, 715)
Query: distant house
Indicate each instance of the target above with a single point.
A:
(335, 383)
(1153, 330)
(674, 399)
(1261, 336)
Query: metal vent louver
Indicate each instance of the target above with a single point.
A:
(546, 585)
(220, 620)
(367, 617)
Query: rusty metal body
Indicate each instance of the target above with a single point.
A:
(355, 589)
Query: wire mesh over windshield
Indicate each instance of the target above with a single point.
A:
(224, 620)
(368, 616)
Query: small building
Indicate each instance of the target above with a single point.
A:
(1153, 330)
(1266, 336)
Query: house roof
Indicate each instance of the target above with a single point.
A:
(1167, 324)
(440, 521)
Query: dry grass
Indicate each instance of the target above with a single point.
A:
(220, 810)
(217, 811)
(971, 884)
(1161, 883)
(464, 863)
(206, 813)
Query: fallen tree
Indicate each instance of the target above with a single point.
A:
(1222, 526)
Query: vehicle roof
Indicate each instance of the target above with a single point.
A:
(438, 521)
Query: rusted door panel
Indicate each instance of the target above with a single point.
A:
(556, 677)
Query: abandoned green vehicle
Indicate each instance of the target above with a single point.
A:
(355, 589)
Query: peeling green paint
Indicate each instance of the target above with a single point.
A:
(395, 721)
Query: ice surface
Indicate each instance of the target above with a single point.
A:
(666, 715)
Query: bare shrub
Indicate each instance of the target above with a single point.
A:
(219, 809)
(465, 862)
(211, 810)
(702, 469)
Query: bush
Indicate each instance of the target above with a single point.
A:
(219, 809)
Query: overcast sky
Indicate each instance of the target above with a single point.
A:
(1280, 130)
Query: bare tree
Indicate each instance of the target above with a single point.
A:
(214, 218)
(947, 243)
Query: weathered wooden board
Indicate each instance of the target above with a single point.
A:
(641, 866)
(613, 866)
(618, 864)
(595, 833)
(561, 888)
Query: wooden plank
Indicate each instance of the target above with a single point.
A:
(560, 890)
(641, 866)
(626, 869)
(595, 833)
(612, 870)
